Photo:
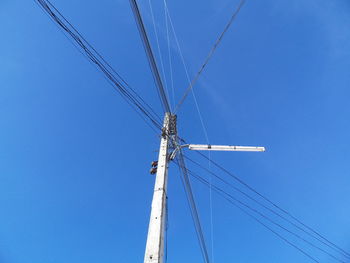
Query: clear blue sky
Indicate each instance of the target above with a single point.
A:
(74, 158)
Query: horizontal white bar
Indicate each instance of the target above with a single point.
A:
(206, 147)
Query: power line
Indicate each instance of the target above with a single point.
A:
(150, 56)
(169, 54)
(117, 82)
(280, 226)
(194, 213)
(159, 51)
(240, 206)
(264, 206)
(236, 178)
(210, 55)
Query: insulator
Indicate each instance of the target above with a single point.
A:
(172, 124)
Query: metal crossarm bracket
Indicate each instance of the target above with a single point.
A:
(208, 147)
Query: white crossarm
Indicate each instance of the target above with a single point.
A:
(208, 147)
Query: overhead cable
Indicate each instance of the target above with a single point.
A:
(159, 51)
(169, 54)
(264, 206)
(117, 82)
(239, 180)
(289, 231)
(194, 213)
(234, 15)
(243, 207)
(150, 56)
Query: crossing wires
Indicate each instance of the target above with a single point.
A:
(125, 90)
(164, 99)
(180, 161)
(283, 213)
(216, 44)
(295, 227)
(117, 82)
(150, 56)
(267, 213)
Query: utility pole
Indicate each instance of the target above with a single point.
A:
(155, 240)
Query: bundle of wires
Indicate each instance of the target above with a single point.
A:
(117, 82)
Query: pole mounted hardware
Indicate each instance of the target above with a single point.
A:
(208, 147)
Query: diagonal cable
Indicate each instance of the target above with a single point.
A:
(117, 82)
(263, 205)
(234, 15)
(169, 53)
(254, 210)
(313, 231)
(150, 56)
(194, 213)
(232, 201)
(293, 220)
(165, 82)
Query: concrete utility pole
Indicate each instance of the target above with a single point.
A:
(155, 239)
